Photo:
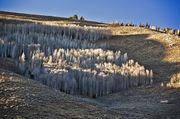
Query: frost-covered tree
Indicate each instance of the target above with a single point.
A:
(22, 64)
(94, 72)
(66, 58)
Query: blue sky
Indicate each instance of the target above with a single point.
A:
(163, 13)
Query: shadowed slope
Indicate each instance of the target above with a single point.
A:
(23, 98)
(157, 51)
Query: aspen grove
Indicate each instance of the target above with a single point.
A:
(65, 57)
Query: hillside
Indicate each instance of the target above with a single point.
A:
(156, 50)
(22, 97)
(29, 18)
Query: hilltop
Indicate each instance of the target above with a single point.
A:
(29, 18)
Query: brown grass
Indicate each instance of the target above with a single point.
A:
(157, 51)
(16, 17)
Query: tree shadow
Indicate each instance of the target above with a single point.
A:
(148, 52)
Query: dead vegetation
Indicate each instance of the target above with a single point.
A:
(174, 81)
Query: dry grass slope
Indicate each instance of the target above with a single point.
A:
(22, 98)
(157, 51)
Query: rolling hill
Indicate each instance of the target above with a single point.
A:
(22, 97)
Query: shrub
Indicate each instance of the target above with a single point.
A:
(75, 17)
(82, 18)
